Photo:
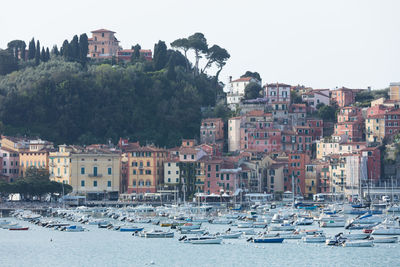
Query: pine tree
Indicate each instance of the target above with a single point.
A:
(32, 49)
(55, 51)
(64, 51)
(43, 55)
(37, 54)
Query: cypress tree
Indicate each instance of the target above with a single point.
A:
(47, 54)
(64, 51)
(43, 55)
(32, 49)
(83, 48)
(74, 48)
(55, 51)
(37, 54)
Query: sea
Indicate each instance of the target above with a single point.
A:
(102, 247)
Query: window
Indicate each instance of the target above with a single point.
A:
(227, 176)
(109, 170)
(134, 182)
(83, 183)
(148, 164)
(94, 183)
(184, 156)
(148, 172)
(208, 183)
(108, 183)
(82, 170)
(148, 183)
(134, 171)
(169, 180)
(95, 171)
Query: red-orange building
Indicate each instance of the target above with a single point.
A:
(103, 44)
(296, 171)
(343, 96)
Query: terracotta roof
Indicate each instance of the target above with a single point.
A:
(244, 79)
(278, 85)
(255, 113)
(102, 30)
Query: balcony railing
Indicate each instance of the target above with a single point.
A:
(95, 175)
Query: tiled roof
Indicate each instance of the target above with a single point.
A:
(244, 79)
(102, 30)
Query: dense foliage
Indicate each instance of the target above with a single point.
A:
(66, 101)
(365, 97)
(36, 183)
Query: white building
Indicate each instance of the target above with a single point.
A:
(171, 171)
(236, 90)
(315, 97)
(234, 134)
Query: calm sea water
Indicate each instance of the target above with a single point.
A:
(101, 247)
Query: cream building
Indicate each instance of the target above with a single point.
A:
(375, 128)
(96, 173)
(337, 172)
(234, 134)
(394, 91)
(37, 155)
(332, 146)
(171, 172)
(60, 164)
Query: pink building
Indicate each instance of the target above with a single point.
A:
(317, 127)
(350, 123)
(297, 169)
(10, 163)
(276, 92)
(392, 123)
(211, 130)
(103, 44)
(343, 96)
(373, 155)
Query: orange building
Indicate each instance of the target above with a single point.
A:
(103, 44)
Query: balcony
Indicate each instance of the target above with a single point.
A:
(95, 175)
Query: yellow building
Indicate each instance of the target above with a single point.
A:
(96, 173)
(394, 91)
(36, 155)
(146, 168)
(311, 180)
(375, 128)
(60, 164)
(337, 172)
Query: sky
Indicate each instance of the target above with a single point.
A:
(317, 43)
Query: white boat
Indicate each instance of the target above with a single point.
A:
(74, 228)
(245, 225)
(229, 235)
(157, 234)
(355, 236)
(260, 225)
(387, 228)
(304, 221)
(368, 219)
(318, 238)
(292, 235)
(332, 224)
(359, 243)
(386, 239)
(245, 231)
(281, 227)
(192, 232)
(221, 221)
(394, 208)
(203, 240)
(189, 226)
(8, 226)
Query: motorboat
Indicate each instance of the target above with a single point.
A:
(312, 231)
(368, 219)
(337, 240)
(18, 228)
(192, 232)
(304, 221)
(189, 226)
(130, 228)
(317, 238)
(388, 227)
(73, 228)
(221, 221)
(266, 240)
(260, 225)
(245, 231)
(281, 227)
(245, 225)
(394, 208)
(202, 240)
(294, 235)
(157, 234)
(359, 243)
(229, 235)
(386, 239)
(332, 224)
(356, 236)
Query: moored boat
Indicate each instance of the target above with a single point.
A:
(386, 239)
(359, 243)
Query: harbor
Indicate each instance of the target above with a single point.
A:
(188, 235)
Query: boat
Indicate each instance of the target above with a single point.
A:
(189, 226)
(202, 240)
(157, 234)
(73, 228)
(192, 232)
(18, 228)
(394, 208)
(304, 221)
(8, 226)
(245, 231)
(356, 236)
(317, 238)
(387, 228)
(332, 224)
(281, 227)
(368, 219)
(221, 221)
(229, 235)
(359, 243)
(130, 228)
(260, 225)
(386, 239)
(267, 240)
(245, 225)
(337, 240)
(312, 231)
(294, 235)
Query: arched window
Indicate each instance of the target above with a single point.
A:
(141, 183)
(148, 183)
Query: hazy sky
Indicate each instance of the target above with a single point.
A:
(318, 43)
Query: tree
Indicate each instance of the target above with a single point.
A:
(295, 97)
(65, 51)
(182, 43)
(327, 113)
(54, 51)
(253, 90)
(17, 49)
(8, 63)
(160, 55)
(37, 54)
(32, 49)
(74, 49)
(47, 54)
(198, 43)
(254, 75)
(217, 55)
(43, 55)
(136, 53)
(83, 48)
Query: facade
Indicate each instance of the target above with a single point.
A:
(9, 164)
(392, 123)
(235, 90)
(234, 134)
(60, 164)
(375, 128)
(311, 180)
(96, 173)
(394, 91)
(316, 97)
(146, 169)
(343, 96)
(103, 44)
(277, 92)
(350, 124)
(171, 171)
(297, 168)
(36, 155)
(211, 130)
(126, 54)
